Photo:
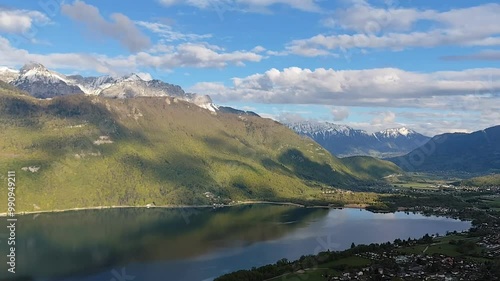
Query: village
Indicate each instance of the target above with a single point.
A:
(456, 256)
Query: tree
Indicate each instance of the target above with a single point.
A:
(427, 239)
(353, 245)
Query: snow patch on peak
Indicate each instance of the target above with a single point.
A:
(33, 71)
(144, 76)
(396, 132)
(132, 77)
(205, 102)
(34, 67)
(8, 74)
(7, 69)
(322, 128)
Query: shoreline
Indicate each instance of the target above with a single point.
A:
(242, 203)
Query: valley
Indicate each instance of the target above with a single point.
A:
(112, 150)
(249, 140)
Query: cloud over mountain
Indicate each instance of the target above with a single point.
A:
(120, 28)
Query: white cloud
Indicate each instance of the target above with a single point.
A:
(198, 55)
(168, 34)
(121, 28)
(258, 49)
(384, 119)
(394, 28)
(387, 87)
(20, 21)
(339, 113)
(469, 97)
(244, 5)
(364, 18)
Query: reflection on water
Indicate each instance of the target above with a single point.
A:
(196, 244)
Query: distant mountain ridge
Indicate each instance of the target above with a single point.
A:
(343, 141)
(477, 152)
(41, 82)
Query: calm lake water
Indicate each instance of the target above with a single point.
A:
(196, 244)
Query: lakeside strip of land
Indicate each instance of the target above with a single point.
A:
(240, 203)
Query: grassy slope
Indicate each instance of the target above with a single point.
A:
(490, 180)
(456, 154)
(370, 168)
(167, 153)
(163, 151)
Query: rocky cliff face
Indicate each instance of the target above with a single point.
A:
(40, 82)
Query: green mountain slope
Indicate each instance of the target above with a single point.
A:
(370, 168)
(477, 152)
(84, 151)
(489, 180)
(81, 151)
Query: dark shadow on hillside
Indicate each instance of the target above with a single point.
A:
(370, 167)
(189, 174)
(27, 112)
(81, 108)
(274, 166)
(60, 146)
(235, 163)
(307, 169)
(242, 185)
(221, 145)
(239, 147)
(20, 112)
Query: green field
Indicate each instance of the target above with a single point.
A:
(491, 201)
(317, 273)
(489, 180)
(441, 246)
(415, 185)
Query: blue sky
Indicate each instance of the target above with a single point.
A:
(429, 65)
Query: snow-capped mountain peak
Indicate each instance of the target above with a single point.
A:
(41, 82)
(343, 141)
(6, 69)
(37, 72)
(395, 132)
(8, 74)
(33, 67)
(322, 128)
(132, 77)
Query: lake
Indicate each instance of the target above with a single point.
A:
(196, 244)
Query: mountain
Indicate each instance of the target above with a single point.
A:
(8, 88)
(345, 141)
(477, 152)
(40, 82)
(8, 74)
(483, 181)
(231, 110)
(126, 86)
(368, 167)
(86, 150)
